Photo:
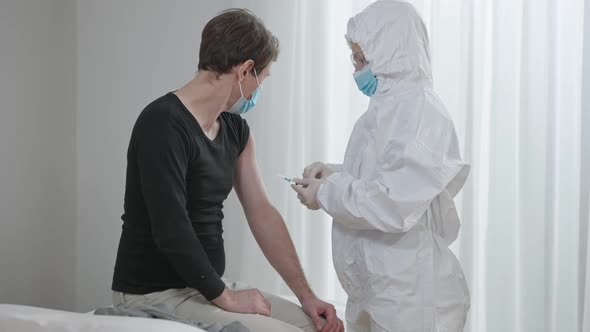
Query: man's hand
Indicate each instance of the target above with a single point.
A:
(318, 309)
(317, 170)
(307, 192)
(249, 301)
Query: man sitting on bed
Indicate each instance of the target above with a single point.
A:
(188, 149)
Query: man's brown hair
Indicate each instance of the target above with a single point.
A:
(234, 36)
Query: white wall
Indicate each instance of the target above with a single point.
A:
(584, 277)
(37, 152)
(129, 53)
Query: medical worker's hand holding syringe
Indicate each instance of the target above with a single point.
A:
(307, 187)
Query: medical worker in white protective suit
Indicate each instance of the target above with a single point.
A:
(392, 198)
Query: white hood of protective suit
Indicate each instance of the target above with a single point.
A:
(392, 199)
(394, 41)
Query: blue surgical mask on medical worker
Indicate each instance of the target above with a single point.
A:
(243, 105)
(366, 80)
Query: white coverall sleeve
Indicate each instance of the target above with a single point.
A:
(408, 178)
(335, 167)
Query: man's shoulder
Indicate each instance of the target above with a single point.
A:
(161, 112)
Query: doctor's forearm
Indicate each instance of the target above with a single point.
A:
(271, 233)
(361, 205)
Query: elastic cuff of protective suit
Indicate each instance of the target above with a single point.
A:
(335, 167)
(339, 179)
(328, 192)
(210, 286)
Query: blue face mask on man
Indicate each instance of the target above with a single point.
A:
(366, 80)
(243, 105)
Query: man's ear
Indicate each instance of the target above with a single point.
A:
(244, 69)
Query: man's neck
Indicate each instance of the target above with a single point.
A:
(206, 96)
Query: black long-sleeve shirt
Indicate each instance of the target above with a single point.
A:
(177, 180)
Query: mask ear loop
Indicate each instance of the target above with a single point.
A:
(241, 92)
(257, 82)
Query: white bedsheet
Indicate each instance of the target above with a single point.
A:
(18, 318)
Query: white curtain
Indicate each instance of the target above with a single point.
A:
(509, 73)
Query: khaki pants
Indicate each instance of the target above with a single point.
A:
(189, 304)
